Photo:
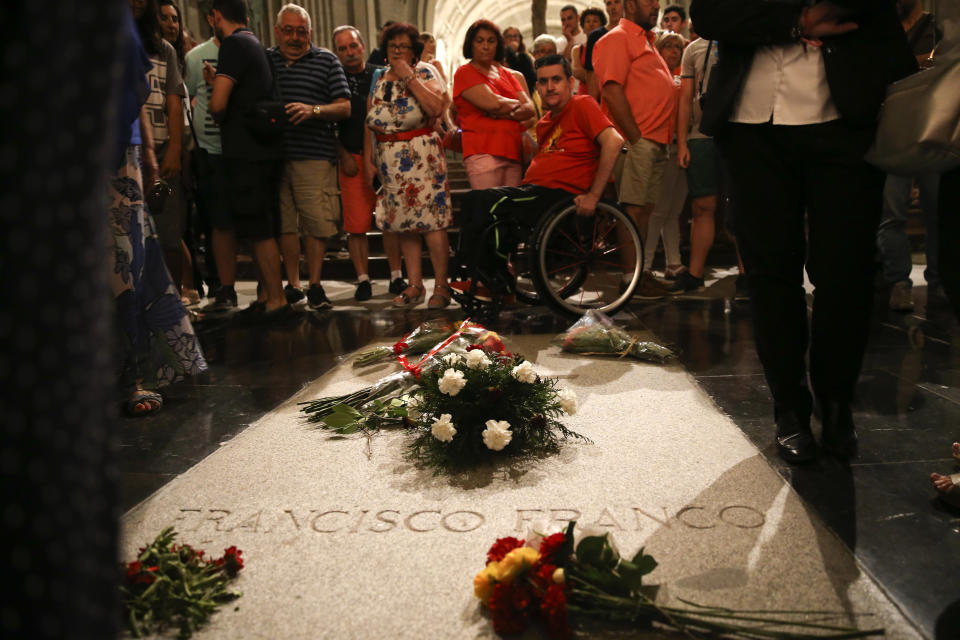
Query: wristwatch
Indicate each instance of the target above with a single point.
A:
(316, 110)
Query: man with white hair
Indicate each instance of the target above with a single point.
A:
(544, 45)
(312, 83)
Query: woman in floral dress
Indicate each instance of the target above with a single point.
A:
(404, 150)
(156, 344)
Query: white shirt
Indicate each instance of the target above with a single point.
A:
(580, 38)
(788, 85)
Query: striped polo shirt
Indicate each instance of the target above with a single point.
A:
(315, 78)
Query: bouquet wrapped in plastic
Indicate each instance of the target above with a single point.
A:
(419, 341)
(595, 334)
(384, 403)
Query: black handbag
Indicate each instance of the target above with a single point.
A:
(267, 118)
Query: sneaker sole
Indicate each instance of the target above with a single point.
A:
(680, 293)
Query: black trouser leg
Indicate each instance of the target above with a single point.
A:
(766, 190)
(781, 175)
(948, 213)
(844, 203)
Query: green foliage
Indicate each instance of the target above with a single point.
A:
(344, 419)
(604, 587)
(531, 409)
(175, 587)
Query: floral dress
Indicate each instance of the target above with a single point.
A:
(157, 344)
(415, 195)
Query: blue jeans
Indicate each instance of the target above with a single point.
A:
(892, 235)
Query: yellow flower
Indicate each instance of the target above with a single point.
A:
(516, 562)
(483, 583)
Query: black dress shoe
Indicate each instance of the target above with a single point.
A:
(839, 433)
(795, 443)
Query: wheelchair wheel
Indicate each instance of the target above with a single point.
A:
(587, 262)
(523, 264)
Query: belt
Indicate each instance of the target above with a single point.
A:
(403, 135)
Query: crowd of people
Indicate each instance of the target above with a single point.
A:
(290, 146)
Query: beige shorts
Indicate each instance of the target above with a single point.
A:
(639, 172)
(309, 200)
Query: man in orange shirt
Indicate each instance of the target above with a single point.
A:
(639, 96)
(578, 149)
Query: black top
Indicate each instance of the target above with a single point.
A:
(521, 62)
(244, 60)
(351, 130)
(924, 35)
(377, 57)
(595, 35)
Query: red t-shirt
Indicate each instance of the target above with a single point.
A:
(569, 152)
(482, 134)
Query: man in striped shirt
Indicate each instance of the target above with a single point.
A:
(312, 83)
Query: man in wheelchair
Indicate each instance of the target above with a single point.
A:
(578, 147)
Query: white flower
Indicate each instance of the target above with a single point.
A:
(568, 401)
(497, 435)
(451, 382)
(451, 358)
(524, 372)
(442, 429)
(477, 359)
(413, 407)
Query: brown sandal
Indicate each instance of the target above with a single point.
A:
(408, 299)
(440, 300)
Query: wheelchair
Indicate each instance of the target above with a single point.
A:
(570, 263)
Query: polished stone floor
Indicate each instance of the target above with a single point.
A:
(882, 506)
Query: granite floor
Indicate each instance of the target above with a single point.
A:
(882, 507)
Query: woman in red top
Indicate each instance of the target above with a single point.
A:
(494, 109)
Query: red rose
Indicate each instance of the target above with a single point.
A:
(551, 546)
(502, 547)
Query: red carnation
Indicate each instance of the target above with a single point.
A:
(138, 574)
(508, 608)
(132, 570)
(233, 561)
(553, 607)
(502, 547)
(543, 577)
(551, 546)
(474, 347)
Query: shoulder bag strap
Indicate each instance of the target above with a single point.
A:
(706, 66)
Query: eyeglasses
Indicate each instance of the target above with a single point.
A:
(289, 31)
(399, 47)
